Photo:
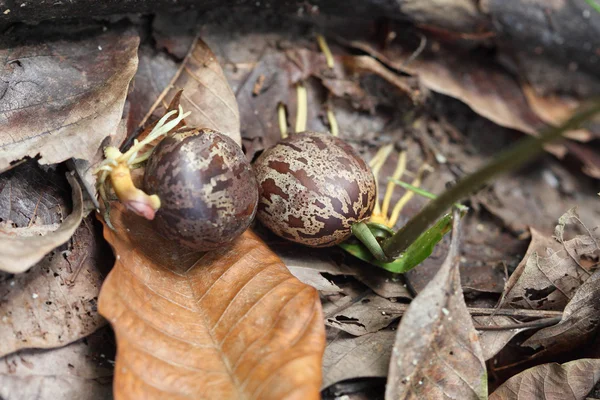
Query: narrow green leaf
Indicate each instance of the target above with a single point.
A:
(413, 256)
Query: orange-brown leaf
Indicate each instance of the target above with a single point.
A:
(229, 324)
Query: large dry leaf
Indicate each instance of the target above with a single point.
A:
(81, 370)
(579, 323)
(551, 283)
(437, 352)
(229, 324)
(550, 272)
(206, 93)
(348, 357)
(61, 97)
(569, 381)
(56, 301)
(21, 248)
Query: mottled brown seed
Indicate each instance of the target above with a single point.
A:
(207, 188)
(313, 187)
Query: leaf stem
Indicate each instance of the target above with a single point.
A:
(364, 234)
(507, 161)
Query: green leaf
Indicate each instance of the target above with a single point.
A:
(414, 254)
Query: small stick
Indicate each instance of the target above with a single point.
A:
(71, 281)
(540, 323)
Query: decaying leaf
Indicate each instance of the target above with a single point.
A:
(569, 381)
(368, 315)
(206, 93)
(437, 353)
(579, 323)
(551, 270)
(62, 96)
(81, 370)
(22, 248)
(493, 341)
(55, 302)
(348, 357)
(228, 324)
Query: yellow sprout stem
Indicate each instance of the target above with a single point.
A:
(407, 196)
(398, 172)
(325, 49)
(333, 125)
(282, 117)
(376, 164)
(302, 108)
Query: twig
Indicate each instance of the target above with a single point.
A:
(540, 323)
(401, 308)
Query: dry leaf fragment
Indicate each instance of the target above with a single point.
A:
(206, 93)
(569, 381)
(550, 272)
(371, 314)
(56, 301)
(348, 357)
(81, 371)
(493, 341)
(579, 323)
(230, 324)
(62, 97)
(437, 352)
(19, 253)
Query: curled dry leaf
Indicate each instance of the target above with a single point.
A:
(228, 324)
(569, 381)
(348, 357)
(551, 283)
(81, 370)
(56, 301)
(579, 323)
(206, 93)
(551, 270)
(63, 96)
(18, 253)
(437, 352)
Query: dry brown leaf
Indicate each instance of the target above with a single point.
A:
(55, 302)
(369, 314)
(437, 353)
(550, 272)
(227, 324)
(63, 96)
(155, 72)
(348, 357)
(579, 323)
(206, 93)
(569, 381)
(493, 341)
(81, 370)
(19, 251)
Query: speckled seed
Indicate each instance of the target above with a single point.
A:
(207, 188)
(313, 187)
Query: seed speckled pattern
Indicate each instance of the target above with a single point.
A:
(207, 188)
(313, 187)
